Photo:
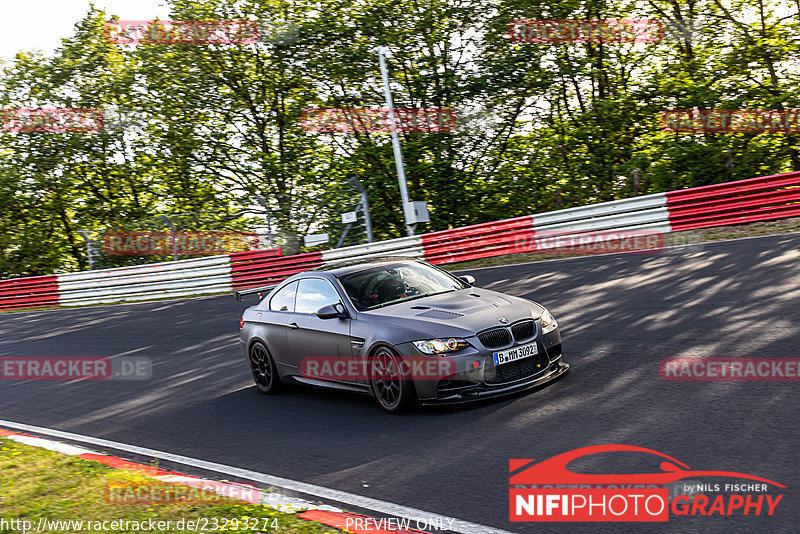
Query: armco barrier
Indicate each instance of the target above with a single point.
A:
(756, 199)
(265, 267)
(631, 215)
(478, 241)
(29, 292)
(638, 213)
(405, 246)
(181, 278)
(646, 213)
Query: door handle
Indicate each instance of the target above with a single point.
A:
(293, 326)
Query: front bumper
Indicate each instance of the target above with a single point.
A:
(475, 375)
(555, 370)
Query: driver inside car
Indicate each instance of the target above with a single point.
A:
(389, 287)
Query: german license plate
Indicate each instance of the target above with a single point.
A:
(517, 353)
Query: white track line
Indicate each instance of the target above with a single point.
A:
(388, 508)
(63, 448)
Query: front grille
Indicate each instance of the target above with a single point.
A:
(523, 330)
(517, 370)
(499, 337)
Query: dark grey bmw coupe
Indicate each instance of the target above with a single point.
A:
(402, 330)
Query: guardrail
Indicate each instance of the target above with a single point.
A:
(262, 268)
(29, 292)
(477, 241)
(529, 233)
(180, 278)
(405, 246)
(756, 199)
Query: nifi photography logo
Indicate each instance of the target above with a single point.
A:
(549, 491)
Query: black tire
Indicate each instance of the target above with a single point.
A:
(393, 389)
(265, 374)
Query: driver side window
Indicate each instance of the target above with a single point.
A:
(313, 294)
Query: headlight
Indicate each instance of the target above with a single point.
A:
(548, 322)
(440, 346)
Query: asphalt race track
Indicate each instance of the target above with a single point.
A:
(620, 315)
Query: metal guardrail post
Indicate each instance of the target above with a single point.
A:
(172, 233)
(89, 251)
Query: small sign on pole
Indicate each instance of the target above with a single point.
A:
(349, 217)
(417, 212)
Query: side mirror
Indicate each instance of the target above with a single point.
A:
(332, 311)
(467, 279)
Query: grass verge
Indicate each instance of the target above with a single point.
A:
(40, 485)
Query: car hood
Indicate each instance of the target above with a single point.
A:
(458, 313)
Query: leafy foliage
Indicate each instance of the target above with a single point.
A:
(197, 128)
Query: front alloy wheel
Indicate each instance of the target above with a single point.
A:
(392, 387)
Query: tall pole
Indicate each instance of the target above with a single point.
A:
(269, 220)
(383, 53)
(367, 217)
(364, 206)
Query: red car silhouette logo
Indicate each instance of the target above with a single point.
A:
(554, 470)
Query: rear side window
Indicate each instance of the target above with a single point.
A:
(283, 300)
(315, 293)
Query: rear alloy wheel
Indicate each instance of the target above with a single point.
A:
(392, 387)
(265, 374)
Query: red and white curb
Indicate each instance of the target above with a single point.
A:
(327, 515)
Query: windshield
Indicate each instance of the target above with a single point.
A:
(389, 284)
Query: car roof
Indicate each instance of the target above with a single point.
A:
(351, 266)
